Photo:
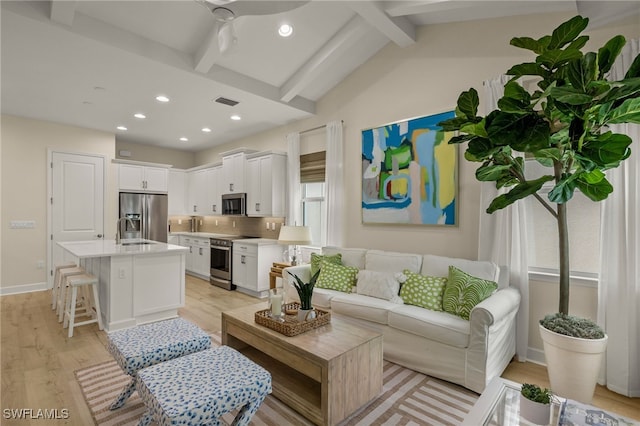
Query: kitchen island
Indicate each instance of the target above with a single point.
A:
(140, 280)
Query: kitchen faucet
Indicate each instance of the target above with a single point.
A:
(133, 225)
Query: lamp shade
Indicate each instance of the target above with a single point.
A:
(294, 235)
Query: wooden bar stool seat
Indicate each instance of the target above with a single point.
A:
(62, 285)
(92, 305)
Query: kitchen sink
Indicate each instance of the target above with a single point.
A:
(137, 243)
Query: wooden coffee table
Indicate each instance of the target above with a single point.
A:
(325, 374)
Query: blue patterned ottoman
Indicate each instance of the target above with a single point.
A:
(145, 345)
(198, 389)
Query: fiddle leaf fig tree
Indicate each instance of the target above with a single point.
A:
(562, 122)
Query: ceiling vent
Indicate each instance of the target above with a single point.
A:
(226, 101)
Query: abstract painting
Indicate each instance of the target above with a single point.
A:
(409, 173)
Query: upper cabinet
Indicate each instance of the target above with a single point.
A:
(204, 191)
(133, 177)
(177, 190)
(233, 169)
(213, 191)
(266, 184)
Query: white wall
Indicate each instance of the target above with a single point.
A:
(24, 191)
(155, 154)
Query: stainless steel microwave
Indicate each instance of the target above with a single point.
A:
(234, 204)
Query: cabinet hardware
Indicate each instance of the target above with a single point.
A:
(242, 258)
(257, 207)
(231, 187)
(190, 250)
(200, 250)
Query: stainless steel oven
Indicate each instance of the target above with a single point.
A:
(222, 260)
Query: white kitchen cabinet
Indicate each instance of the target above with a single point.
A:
(213, 194)
(251, 264)
(133, 177)
(177, 191)
(233, 169)
(199, 256)
(197, 192)
(266, 184)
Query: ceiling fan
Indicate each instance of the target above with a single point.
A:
(226, 11)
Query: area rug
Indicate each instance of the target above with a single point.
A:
(408, 398)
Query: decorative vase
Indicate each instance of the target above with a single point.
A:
(535, 412)
(573, 364)
(306, 314)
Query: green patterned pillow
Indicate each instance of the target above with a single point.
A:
(423, 291)
(336, 277)
(316, 260)
(464, 291)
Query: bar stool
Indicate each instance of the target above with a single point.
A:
(92, 306)
(56, 282)
(62, 285)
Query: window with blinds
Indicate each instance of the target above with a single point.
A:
(312, 167)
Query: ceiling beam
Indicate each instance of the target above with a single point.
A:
(404, 8)
(208, 52)
(63, 12)
(397, 29)
(324, 58)
(601, 14)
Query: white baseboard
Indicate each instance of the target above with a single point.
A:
(536, 356)
(24, 288)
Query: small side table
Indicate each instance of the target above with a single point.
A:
(276, 272)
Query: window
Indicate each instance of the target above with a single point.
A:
(314, 212)
(584, 233)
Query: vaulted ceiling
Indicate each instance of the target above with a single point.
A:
(95, 63)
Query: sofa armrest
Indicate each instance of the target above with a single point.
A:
(493, 309)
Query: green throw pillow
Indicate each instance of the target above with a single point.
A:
(464, 291)
(423, 291)
(316, 260)
(336, 277)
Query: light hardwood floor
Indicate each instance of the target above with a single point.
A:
(38, 360)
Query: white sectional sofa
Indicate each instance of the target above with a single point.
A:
(467, 352)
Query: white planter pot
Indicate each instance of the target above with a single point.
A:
(573, 364)
(306, 314)
(535, 412)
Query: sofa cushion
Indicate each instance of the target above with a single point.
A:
(422, 290)
(464, 291)
(437, 326)
(382, 285)
(316, 260)
(350, 256)
(336, 277)
(438, 266)
(388, 261)
(362, 307)
(322, 297)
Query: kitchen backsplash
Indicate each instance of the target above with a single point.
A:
(249, 226)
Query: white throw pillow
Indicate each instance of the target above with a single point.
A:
(381, 285)
(389, 261)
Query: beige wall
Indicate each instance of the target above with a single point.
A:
(24, 191)
(155, 154)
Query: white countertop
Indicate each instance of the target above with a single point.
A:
(257, 241)
(108, 248)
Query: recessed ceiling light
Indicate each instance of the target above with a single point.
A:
(121, 128)
(285, 30)
(183, 139)
(236, 117)
(206, 129)
(162, 98)
(139, 115)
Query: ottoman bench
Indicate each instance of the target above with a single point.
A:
(198, 389)
(145, 345)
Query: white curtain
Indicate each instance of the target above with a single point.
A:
(619, 286)
(294, 216)
(334, 177)
(503, 236)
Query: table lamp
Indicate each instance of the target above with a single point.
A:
(294, 236)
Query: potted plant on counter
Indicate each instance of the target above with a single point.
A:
(562, 123)
(535, 404)
(305, 292)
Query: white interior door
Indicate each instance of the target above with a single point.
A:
(77, 202)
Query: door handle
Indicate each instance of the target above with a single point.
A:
(99, 236)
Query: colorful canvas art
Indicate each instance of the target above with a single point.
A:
(409, 173)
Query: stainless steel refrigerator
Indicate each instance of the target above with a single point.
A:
(148, 214)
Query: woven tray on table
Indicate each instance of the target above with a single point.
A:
(289, 324)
